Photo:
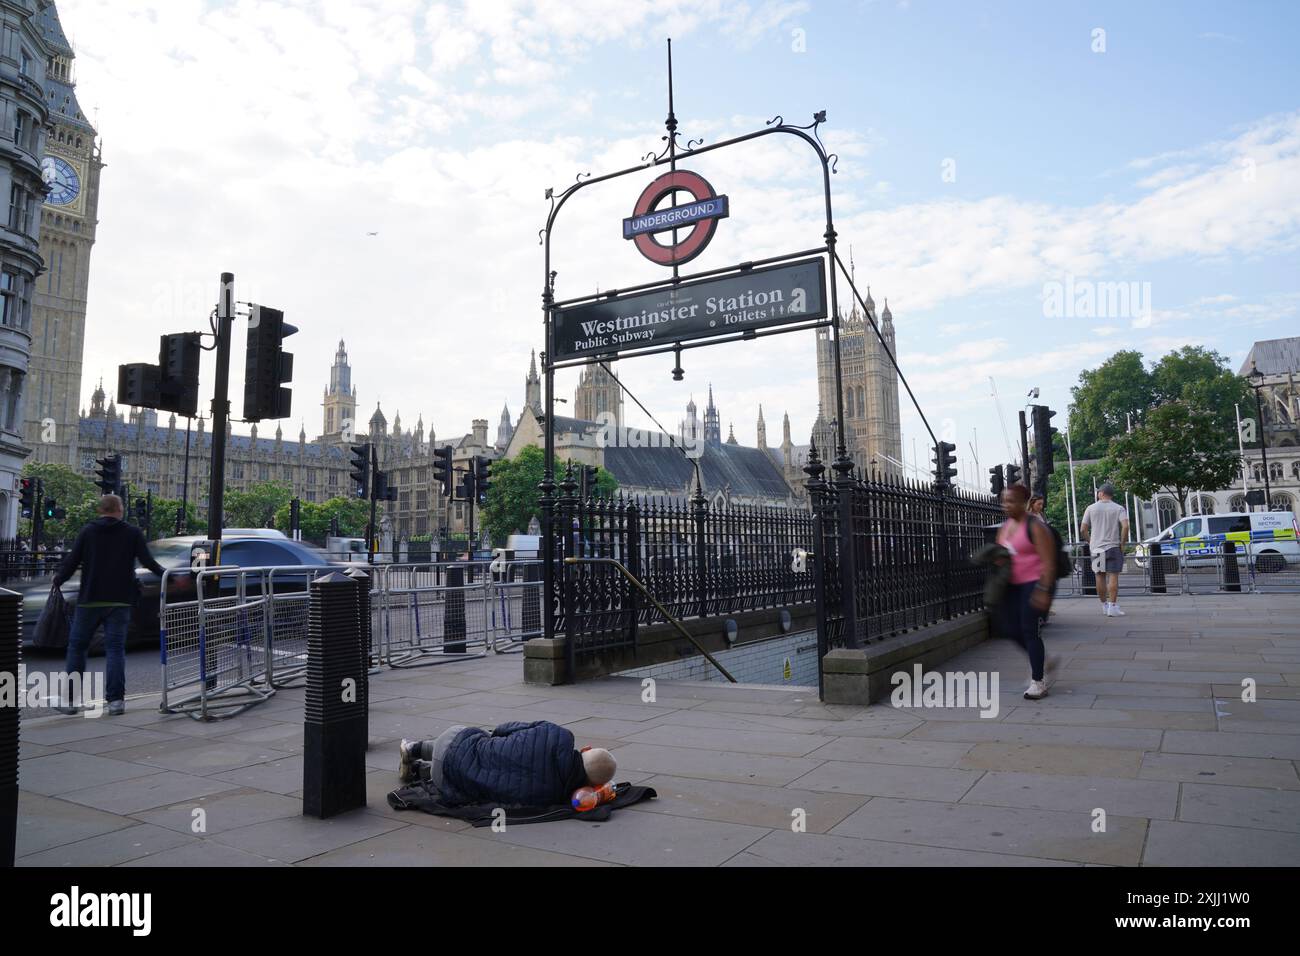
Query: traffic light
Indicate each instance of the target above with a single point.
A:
(141, 509)
(442, 469)
(467, 485)
(482, 478)
(1013, 475)
(589, 475)
(178, 373)
(945, 461)
(295, 517)
(138, 384)
(266, 366)
(383, 490)
(110, 474)
(50, 508)
(27, 496)
(996, 482)
(361, 470)
(1043, 432)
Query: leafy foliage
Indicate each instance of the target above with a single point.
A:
(314, 518)
(512, 496)
(256, 507)
(1177, 449)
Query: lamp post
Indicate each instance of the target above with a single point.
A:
(1256, 380)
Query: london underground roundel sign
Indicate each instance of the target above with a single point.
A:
(694, 221)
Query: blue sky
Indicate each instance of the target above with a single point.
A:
(1170, 160)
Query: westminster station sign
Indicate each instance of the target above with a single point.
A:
(787, 294)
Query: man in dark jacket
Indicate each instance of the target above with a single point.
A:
(516, 765)
(106, 551)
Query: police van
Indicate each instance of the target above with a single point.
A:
(1273, 537)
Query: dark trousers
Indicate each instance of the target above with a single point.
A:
(85, 622)
(1019, 619)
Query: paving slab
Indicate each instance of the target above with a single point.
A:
(986, 731)
(222, 811)
(772, 807)
(1039, 791)
(1051, 758)
(713, 764)
(1279, 746)
(160, 789)
(1192, 844)
(783, 848)
(1253, 807)
(1040, 834)
(202, 853)
(890, 780)
(109, 849)
(294, 839)
(46, 822)
(733, 741)
(61, 773)
(1211, 769)
(278, 776)
(201, 757)
(916, 753)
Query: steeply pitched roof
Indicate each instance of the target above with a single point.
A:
(746, 471)
(1273, 357)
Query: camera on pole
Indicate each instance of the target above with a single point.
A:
(997, 484)
(442, 473)
(945, 462)
(361, 470)
(267, 367)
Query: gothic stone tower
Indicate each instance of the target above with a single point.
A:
(597, 394)
(69, 219)
(871, 422)
(340, 401)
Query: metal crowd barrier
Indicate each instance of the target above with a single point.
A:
(1248, 567)
(436, 613)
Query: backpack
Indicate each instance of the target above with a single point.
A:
(1063, 563)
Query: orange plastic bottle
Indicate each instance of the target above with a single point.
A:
(589, 798)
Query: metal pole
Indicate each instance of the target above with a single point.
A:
(374, 482)
(1074, 495)
(182, 517)
(1263, 449)
(220, 410)
(1241, 452)
(1024, 450)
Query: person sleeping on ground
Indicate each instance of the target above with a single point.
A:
(517, 764)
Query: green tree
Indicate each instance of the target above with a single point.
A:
(1202, 378)
(1103, 399)
(512, 496)
(78, 496)
(256, 507)
(314, 518)
(1177, 449)
(1086, 477)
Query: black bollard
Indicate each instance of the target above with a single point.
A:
(367, 644)
(334, 728)
(1089, 576)
(531, 601)
(1231, 573)
(453, 612)
(1157, 569)
(11, 650)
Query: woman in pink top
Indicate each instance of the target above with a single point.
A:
(1033, 572)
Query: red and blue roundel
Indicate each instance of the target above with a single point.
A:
(700, 216)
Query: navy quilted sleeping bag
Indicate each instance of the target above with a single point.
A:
(519, 764)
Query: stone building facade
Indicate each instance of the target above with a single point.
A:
(69, 218)
(25, 60)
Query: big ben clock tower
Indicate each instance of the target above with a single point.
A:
(71, 170)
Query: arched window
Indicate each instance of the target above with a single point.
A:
(1258, 471)
(1237, 503)
(1295, 470)
(1167, 510)
(1281, 502)
(1275, 471)
(1202, 505)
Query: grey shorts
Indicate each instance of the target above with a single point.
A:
(1110, 561)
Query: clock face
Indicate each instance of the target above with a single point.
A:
(62, 179)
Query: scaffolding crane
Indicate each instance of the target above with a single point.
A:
(1006, 436)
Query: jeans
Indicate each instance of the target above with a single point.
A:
(85, 621)
(1019, 620)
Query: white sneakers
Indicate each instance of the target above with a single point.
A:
(1036, 690)
(1112, 610)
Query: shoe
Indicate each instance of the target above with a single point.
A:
(70, 709)
(408, 752)
(1115, 611)
(1036, 690)
(1050, 666)
(1105, 608)
(116, 708)
(1108, 611)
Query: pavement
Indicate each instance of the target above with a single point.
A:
(1143, 754)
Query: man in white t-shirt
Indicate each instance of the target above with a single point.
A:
(1105, 525)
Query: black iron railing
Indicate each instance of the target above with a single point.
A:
(893, 554)
(696, 559)
(19, 563)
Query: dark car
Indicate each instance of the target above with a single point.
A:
(253, 548)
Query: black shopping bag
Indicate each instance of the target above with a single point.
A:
(54, 624)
